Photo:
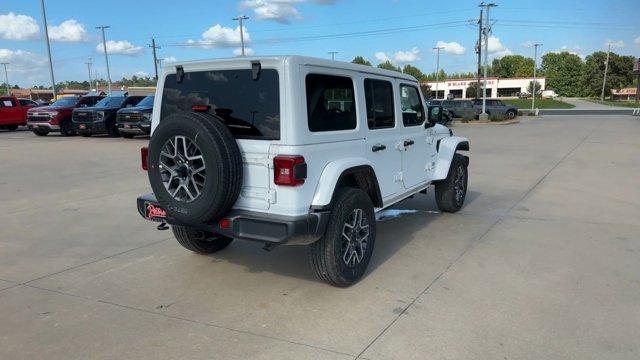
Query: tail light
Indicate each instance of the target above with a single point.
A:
(144, 157)
(289, 170)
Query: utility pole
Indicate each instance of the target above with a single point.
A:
(240, 19)
(106, 55)
(46, 36)
(606, 68)
(533, 86)
(6, 78)
(333, 54)
(89, 69)
(159, 61)
(479, 52)
(486, 31)
(437, 49)
(155, 59)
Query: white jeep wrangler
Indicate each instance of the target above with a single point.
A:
(294, 150)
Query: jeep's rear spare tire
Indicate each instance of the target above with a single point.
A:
(195, 167)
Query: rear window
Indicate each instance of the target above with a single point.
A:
(250, 109)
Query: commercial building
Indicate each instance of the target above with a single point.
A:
(496, 87)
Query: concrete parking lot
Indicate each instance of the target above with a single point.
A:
(543, 262)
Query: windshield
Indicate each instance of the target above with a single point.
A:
(146, 102)
(66, 102)
(110, 101)
(249, 108)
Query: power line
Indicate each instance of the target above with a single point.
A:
(240, 19)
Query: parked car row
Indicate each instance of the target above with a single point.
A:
(115, 115)
(470, 109)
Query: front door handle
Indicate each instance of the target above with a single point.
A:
(408, 143)
(378, 147)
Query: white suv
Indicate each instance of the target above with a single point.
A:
(294, 150)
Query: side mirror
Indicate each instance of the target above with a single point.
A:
(434, 115)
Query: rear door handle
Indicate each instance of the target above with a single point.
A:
(408, 143)
(378, 147)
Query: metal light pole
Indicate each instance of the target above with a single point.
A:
(106, 55)
(606, 68)
(486, 31)
(89, 70)
(479, 51)
(533, 86)
(333, 54)
(46, 36)
(6, 78)
(240, 19)
(437, 48)
(155, 59)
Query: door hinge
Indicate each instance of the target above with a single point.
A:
(399, 177)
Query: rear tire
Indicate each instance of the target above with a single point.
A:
(112, 130)
(451, 192)
(342, 255)
(198, 241)
(12, 127)
(40, 132)
(85, 134)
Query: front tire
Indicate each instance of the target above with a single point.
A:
(451, 192)
(66, 128)
(511, 114)
(198, 241)
(40, 132)
(127, 135)
(341, 256)
(12, 127)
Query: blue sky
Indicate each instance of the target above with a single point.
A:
(403, 31)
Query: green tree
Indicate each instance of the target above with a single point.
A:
(512, 66)
(472, 90)
(414, 71)
(618, 76)
(442, 75)
(360, 60)
(426, 90)
(538, 88)
(563, 72)
(387, 65)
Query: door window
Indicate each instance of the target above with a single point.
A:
(379, 98)
(330, 103)
(8, 103)
(412, 109)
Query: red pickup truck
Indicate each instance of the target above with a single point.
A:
(57, 116)
(13, 112)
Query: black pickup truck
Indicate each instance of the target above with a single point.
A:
(132, 121)
(101, 118)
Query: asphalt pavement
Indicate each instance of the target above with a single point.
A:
(541, 263)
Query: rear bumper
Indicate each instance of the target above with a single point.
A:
(255, 226)
(43, 125)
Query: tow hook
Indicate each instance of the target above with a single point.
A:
(163, 226)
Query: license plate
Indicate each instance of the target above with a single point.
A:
(82, 127)
(154, 212)
(127, 126)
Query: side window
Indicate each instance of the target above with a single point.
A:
(468, 104)
(23, 102)
(379, 99)
(412, 109)
(330, 103)
(8, 102)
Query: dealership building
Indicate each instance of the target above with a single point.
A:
(496, 87)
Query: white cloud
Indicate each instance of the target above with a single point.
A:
(24, 65)
(615, 43)
(453, 47)
(527, 44)
(497, 49)
(407, 56)
(170, 59)
(219, 36)
(18, 27)
(399, 56)
(247, 51)
(121, 47)
(141, 74)
(381, 56)
(282, 11)
(68, 31)
(637, 41)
